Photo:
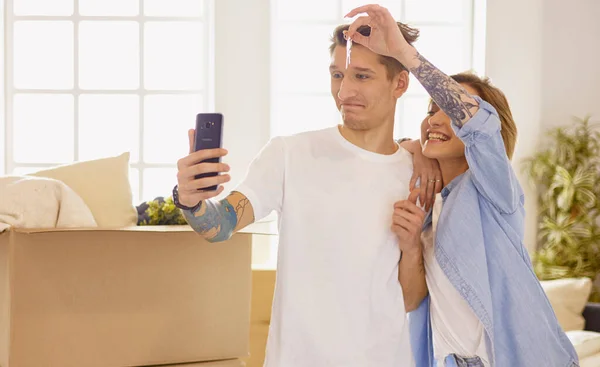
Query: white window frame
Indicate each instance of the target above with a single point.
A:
(3, 72)
(8, 163)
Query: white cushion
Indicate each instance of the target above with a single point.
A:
(592, 361)
(40, 202)
(568, 298)
(586, 343)
(104, 186)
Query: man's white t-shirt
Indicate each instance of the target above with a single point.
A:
(337, 302)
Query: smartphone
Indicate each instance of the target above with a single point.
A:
(209, 135)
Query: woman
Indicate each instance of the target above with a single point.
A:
(485, 305)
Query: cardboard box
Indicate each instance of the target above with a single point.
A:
(123, 297)
(225, 363)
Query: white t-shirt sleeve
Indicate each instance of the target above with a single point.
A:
(263, 184)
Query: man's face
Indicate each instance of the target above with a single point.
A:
(363, 93)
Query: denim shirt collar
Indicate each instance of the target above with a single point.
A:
(451, 185)
(445, 192)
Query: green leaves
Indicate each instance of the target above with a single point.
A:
(567, 177)
(576, 190)
(557, 230)
(163, 213)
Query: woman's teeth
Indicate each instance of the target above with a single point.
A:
(436, 136)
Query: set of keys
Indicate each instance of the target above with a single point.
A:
(348, 51)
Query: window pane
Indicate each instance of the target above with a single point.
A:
(294, 114)
(435, 10)
(167, 118)
(51, 42)
(158, 182)
(174, 8)
(307, 10)
(394, 6)
(174, 55)
(302, 59)
(134, 180)
(108, 7)
(108, 126)
(43, 7)
(109, 55)
(445, 47)
(43, 128)
(415, 110)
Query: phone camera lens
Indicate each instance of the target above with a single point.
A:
(207, 125)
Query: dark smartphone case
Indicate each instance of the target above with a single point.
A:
(209, 135)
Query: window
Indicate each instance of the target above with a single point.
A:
(88, 79)
(300, 84)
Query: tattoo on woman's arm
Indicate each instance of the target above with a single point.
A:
(449, 95)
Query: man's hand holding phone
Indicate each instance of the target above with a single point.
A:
(189, 187)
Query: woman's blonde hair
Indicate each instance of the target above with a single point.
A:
(496, 98)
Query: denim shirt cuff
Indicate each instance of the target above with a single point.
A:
(484, 124)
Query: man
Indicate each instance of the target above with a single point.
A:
(337, 301)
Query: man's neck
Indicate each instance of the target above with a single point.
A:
(378, 140)
(452, 168)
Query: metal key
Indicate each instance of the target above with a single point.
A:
(348, 50)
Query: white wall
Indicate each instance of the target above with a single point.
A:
(545, 55)
(571, 61)
(513, 62)
(242, 80)
(242, 94)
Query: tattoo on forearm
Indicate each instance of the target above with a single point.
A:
(217, 220)
(450, 96)
(240, 208)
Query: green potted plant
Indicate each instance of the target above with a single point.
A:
(566, 175)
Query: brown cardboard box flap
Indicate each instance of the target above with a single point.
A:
(226, 363)
(260, 228)
(153, 229)
(127, 297)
